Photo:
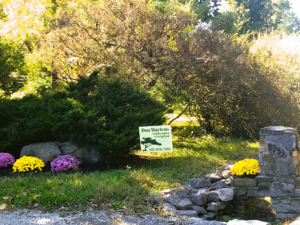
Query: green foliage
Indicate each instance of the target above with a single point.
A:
(263, 15)
(93, 111)
(11, 59)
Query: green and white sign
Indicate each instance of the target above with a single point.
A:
(156, 139)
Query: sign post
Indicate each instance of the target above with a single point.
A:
(156, 139)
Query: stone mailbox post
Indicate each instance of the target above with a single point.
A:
(277, 152)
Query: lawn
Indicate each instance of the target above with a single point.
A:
(126, 188)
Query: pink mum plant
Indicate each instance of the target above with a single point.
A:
(6, 159)
(63, 163)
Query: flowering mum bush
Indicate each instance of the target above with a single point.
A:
(27, 163)
(63, 163)
(6, 159)
(245, 167)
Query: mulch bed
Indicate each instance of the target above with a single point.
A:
(83, 168)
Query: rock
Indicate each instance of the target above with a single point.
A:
(200, 210)
(46, 151)
(85, 154)
(226, 174)
(198, 191)
(213, 177)
(184, 191)
(247, 222)
(211, 215)
(223, 205)
(264, 186)
(240, 191)
(200, 182)
(156, 198)
(179, 203)
(201, 221)
(225, 194)
(213, 206)
(263, 179)
(244, 182)
(284, 187)
(189, 213)
(221, 184)
(197, 199)
(211, 197)
(168, 208)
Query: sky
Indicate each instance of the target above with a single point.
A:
(296, 6)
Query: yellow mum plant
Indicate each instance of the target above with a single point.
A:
(28, 163)
(245, 167)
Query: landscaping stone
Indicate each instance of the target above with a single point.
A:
(200, 210)
(213, 206)
(85, 154)
(168, 208)
(220, 184)
(223, 205)
(200, 182)
(263, 179)
(184, 191)
(201, 221)
(46, 151)
(179, 203)
(211, 197)
(226, 194)
(241, 191)
(244, 182)
(197, 199)
(213, 177)
(189, 213)
(284, 187)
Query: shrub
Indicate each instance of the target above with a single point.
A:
(245, 167)
(93, 111)
(6, 159)
(63, 163)
(27, 163)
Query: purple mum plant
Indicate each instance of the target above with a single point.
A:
(63, 163)
(6, 159)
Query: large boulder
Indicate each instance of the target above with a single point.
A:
(46, 151)
(85, 154)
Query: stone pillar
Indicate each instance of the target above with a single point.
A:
(276, 151)
(279, 161)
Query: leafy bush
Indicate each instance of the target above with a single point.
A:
(6, 159)
(27, 163)
(245, 167)
(93, 111)
(63, 163)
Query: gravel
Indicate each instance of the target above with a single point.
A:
(30, 217)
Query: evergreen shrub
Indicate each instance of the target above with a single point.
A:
(93, 111)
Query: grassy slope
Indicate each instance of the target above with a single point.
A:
(192, 157)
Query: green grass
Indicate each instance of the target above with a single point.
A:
(128, 188)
